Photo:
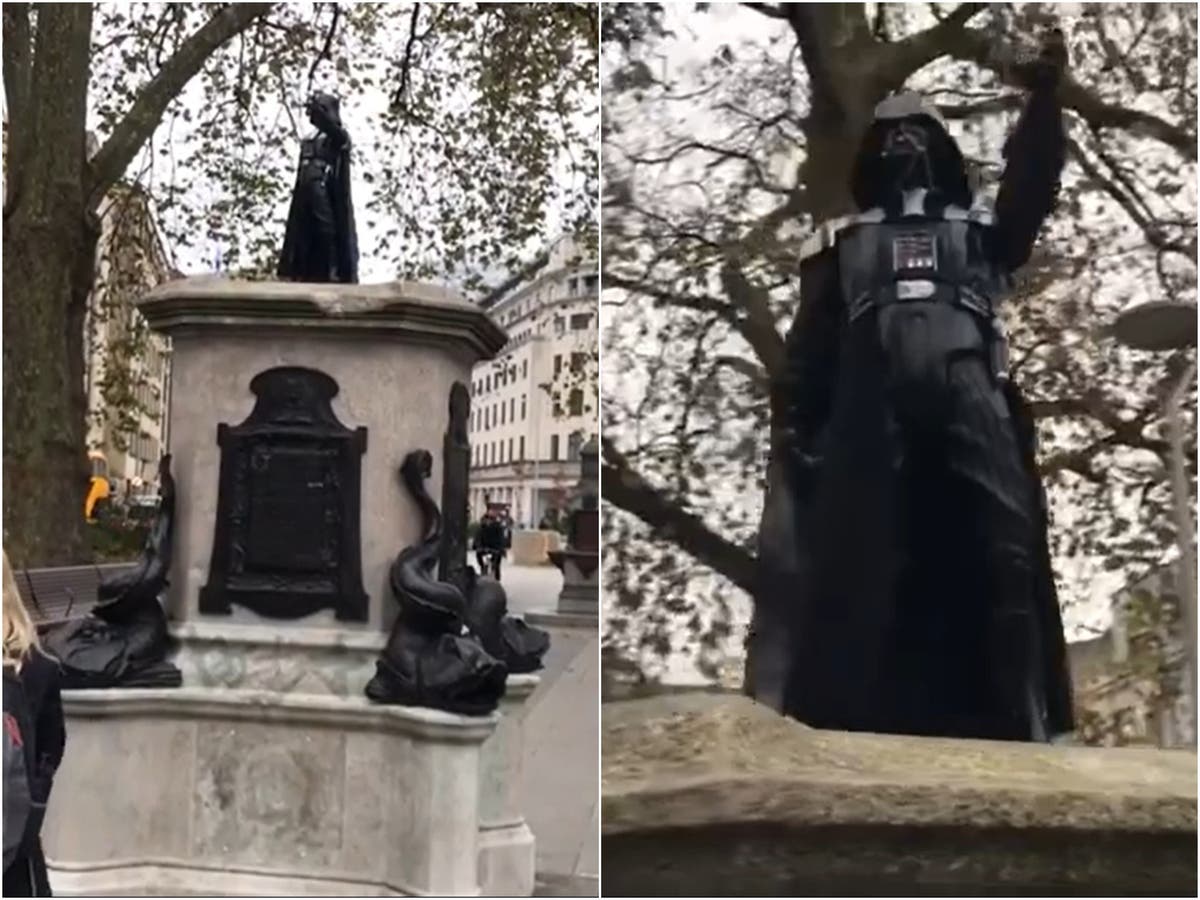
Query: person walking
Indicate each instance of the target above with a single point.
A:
(33, 720)
(490, 544)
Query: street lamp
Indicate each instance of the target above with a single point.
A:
(1160, 325)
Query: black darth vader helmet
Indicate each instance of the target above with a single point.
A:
(908, 139)
(323, 105)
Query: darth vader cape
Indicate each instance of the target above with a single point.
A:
(847, 632)
(294, 257)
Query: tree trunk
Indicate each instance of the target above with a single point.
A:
(48, 272)
(49, 264)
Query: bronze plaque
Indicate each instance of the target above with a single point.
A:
(286, 542)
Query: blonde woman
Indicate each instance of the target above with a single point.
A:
(31, 697)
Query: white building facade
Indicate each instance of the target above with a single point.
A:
(536, 404)
(127, 367)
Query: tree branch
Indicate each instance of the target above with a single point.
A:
(981, 48)
(749, 314)
(1126, 199)
(899, 60)
(623, 487)
(147, 110)
(325, 49)
(521, 275)
(406, 63)
(758, 326)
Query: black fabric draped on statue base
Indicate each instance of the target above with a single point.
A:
(124, 641)
(905, 582)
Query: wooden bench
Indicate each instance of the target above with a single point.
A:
(63, 592)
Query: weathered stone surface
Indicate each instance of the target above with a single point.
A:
(252, 793)
(276, 657)
(421, 312)
(506, 843)
(394, 351)
(711, 794)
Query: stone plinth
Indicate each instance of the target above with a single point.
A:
(716, 795)
(394, 350)
(506, 843)
(248, 793)
(276, 657)
(580, 594)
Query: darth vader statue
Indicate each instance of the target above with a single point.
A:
(321, 243)
(904, 581)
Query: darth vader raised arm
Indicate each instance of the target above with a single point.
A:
(1034, 155)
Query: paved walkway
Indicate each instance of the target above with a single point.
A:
(561, 767)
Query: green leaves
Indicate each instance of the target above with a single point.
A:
(487, 151)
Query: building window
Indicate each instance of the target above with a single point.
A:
(560, 326)
(501, 412)
(575, 402)
(522, 446)
(557, 364)
(554, 446)
(510, 449)
(512, 409)
(487, 418)
(574, 445)
(578, 361)
(580, 321)
(522, 407)
(592, 282)
(524, 368)
(487, 383)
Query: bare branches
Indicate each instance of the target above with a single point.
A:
(979, 47)
(143, 117)
(899, 60)
(758, 324)
(624, 487)
(1130, 202)
(398, 98)
(1121, 432)
(325, 49)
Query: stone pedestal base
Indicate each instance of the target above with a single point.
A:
(506, 843)
(507, 861)
(276, 657)
(580, 594)
(254, 793)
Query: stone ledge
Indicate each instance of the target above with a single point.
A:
(419, 311)
(716, 794)
(552, 618)
(185, 878)
(262, 707)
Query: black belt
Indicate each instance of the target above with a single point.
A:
(923, 291)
